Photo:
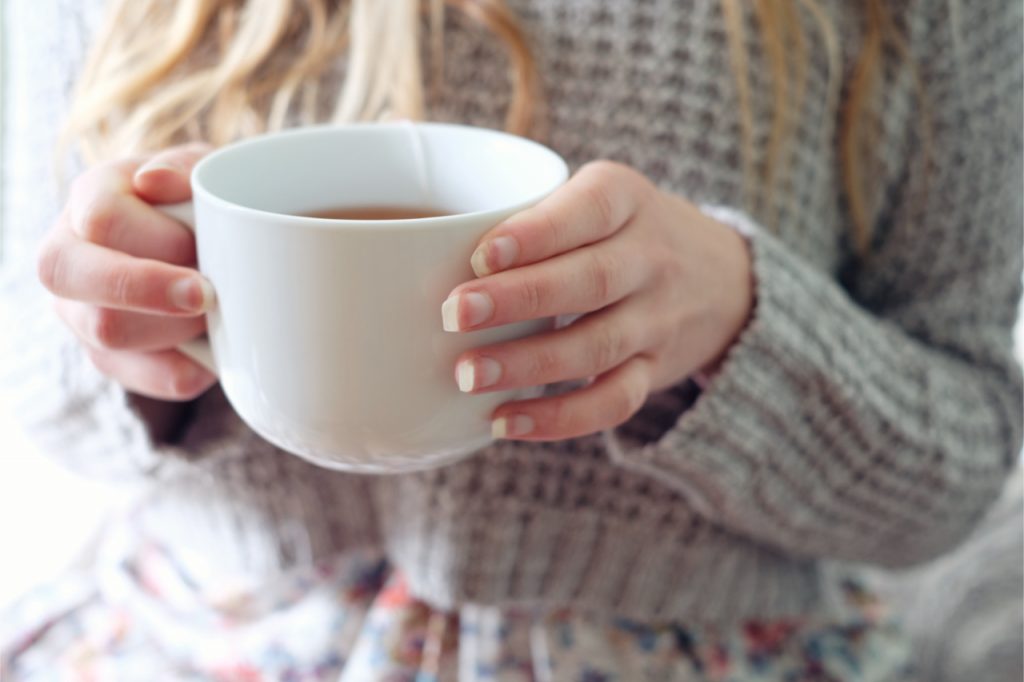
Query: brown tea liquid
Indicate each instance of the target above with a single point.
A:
(377, 213)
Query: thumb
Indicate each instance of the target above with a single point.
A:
(164, 179)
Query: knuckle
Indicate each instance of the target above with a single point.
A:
(553, 226)
(50, 266)
(661, 269)
(545, 364)
(603, 274)
(599, 199)
(602, 168)
(607, 347)
(98, 219)
(605, 174)
(534, 296)
(120, 287)
(627, 401)
(106, 329)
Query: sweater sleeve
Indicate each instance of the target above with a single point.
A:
(874, 416)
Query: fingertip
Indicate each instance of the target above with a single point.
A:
(157, 165)
(494, 255)
(190, 380)
(192, 293)
(165, 177)
(479, 261)
(160, 181)
(512, 426)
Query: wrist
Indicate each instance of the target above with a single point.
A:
(736, 287)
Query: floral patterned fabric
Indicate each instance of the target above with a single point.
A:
(352, 619)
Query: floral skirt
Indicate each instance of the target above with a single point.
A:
(139, 616)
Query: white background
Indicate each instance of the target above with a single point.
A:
(47, 514)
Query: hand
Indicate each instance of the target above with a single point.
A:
(664, 288)
(124, 275)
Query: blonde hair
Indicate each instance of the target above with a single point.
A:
(784, 43)
(164, 72)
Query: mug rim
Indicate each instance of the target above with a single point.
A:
(200, 192)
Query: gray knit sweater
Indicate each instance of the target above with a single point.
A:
(868, 414)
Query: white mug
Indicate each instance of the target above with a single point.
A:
(326, 334)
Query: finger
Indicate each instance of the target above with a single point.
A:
(609, 401)
(577, 282)
(109, 329)
(84, 272)
(588, 347)
(164, 179)
(166, 375)
(599, 200)
(104, 210)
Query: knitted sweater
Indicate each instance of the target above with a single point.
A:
(868, 413)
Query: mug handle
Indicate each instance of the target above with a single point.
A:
(198, 349)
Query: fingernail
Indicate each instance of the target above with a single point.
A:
(475, 307)
(512, 427)
(479, 373)
(496, 254)
(186, 381)
(157, 165)
(191, 294)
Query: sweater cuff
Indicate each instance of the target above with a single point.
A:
(720, 444)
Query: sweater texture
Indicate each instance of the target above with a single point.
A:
(868, 414)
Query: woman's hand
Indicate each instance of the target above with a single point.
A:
(664, 288)
(124, 275)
